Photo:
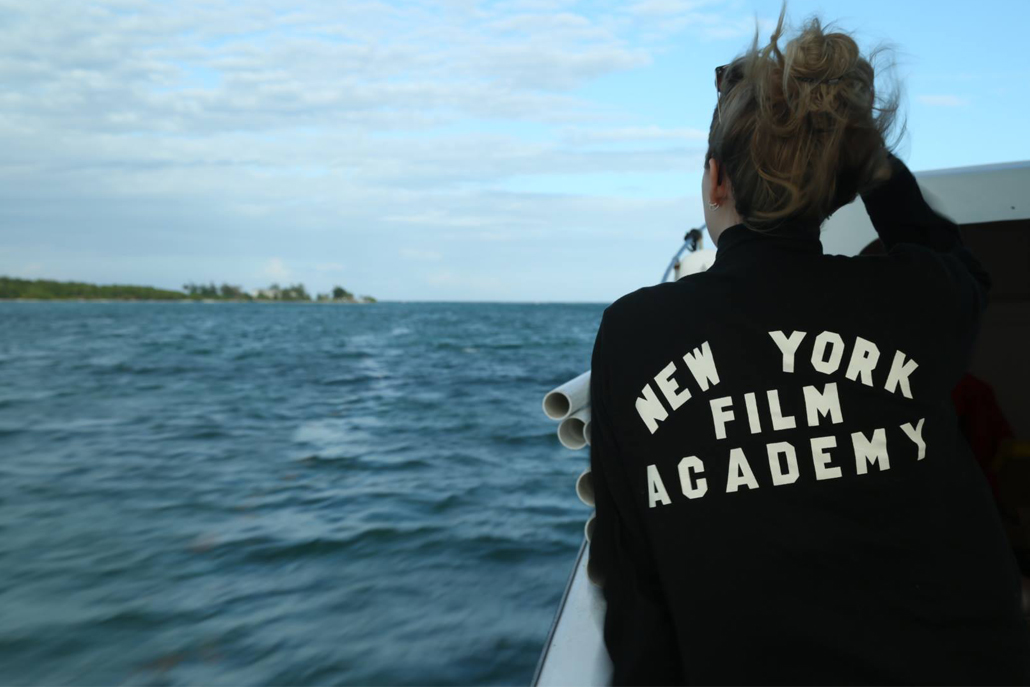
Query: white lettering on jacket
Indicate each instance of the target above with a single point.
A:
(870, 448)
(826, 357)
(828, 457)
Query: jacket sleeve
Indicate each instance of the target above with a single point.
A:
(638, 629)
(956, 282)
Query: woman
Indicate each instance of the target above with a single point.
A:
(783, 495)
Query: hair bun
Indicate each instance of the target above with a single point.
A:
(819, 57)
(831, 81)
(804, 130)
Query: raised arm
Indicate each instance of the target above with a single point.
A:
(908, 225)
(900, 214)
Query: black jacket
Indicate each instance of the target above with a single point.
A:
(782, 491)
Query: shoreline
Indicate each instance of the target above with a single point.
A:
(176, 300)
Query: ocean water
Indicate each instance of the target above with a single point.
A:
(234, 493)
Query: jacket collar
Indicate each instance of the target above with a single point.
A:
(739, 239)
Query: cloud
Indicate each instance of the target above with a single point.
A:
(284, 64)
(275, 269)
(708, 19)
(443, 277)
(160, 133)
(942, 100)
(666, 8)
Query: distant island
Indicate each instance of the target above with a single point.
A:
(45, 289)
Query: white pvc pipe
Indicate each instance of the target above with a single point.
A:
(588, 529)
(585, 488)
(566, 399)
(570, 430)
(584, 415)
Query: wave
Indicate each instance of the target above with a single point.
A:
(358, 463)
(349, 380)
(529, 439)
(371, 540)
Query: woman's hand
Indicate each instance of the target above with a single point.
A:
(885, 170)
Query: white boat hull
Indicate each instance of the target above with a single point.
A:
(574, 653)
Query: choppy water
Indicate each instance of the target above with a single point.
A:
(284, 494)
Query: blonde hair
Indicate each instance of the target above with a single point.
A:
(800, 133)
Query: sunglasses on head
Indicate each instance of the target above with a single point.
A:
(719, 72)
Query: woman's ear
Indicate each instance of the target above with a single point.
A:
(716, 189)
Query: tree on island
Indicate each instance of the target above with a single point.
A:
(200, 290)
(296, 292)
(342, 295)
(269, 294)
(43, 289)
(230, 291)
(48, 289)
(212, 292)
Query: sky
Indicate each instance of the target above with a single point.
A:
(443, 150)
